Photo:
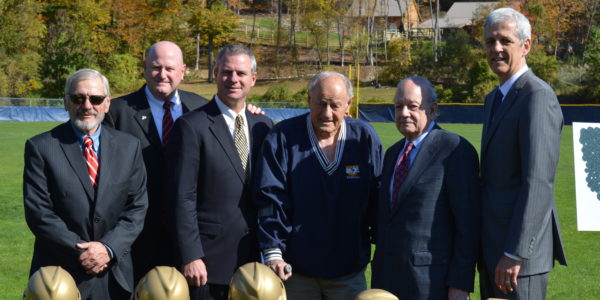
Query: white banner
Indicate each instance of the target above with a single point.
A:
(586, 152)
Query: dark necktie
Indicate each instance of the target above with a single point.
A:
(167, 124)
(241, 144)
(400, 173)
(91, 161)
(497, 102)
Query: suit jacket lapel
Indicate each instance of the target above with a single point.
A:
(509, 100)
(386, 175)
(221, 132)
(188, 103)
(429, 148)
(72, 149)
(487, 119)
(107, 153)
(144, 118)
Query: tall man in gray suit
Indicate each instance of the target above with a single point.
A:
(519, 152)
(427, 229)
(84, 188)
(149, 114)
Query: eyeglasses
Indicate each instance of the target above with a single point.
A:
(80, 99)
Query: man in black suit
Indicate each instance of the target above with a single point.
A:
(211, 156)
(428, 213)
(520, 147)
(84, 189)
(144, 115)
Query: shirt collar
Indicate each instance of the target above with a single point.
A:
(226, 110)
(328, 166)
(95, 136)
(155, 101)
(417, 142)
(505, 87)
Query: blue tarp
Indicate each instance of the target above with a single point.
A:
(448, 113)
(279, 114)
(32, 114)
(461, 113)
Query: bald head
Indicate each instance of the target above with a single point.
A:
(164, 48)
(164, 69)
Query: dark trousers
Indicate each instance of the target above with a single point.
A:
(209, 292)
(528, 287)
(103, 287)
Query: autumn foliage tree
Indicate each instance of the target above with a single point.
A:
(591, 80)
(214, 24)
(21, 33)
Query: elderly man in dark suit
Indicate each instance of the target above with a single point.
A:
(211, 156)
(428, 212)
(84, 189)
(519, 153)
(149, 114)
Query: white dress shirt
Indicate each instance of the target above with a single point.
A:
(505, 87)
(229, 115)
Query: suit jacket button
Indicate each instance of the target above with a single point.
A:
(97, 219)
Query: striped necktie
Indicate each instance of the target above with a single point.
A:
(241, 144)
(91, 161)
(167, 123)
(400, 173)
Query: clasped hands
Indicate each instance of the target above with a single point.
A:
(95, 257)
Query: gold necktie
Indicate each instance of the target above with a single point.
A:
(241, 143)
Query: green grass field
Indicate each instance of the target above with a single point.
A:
(578, 281)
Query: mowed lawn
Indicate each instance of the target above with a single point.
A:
(577, 281)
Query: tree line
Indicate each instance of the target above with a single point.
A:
(43, 41)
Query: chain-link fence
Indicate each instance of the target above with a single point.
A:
(31, 102)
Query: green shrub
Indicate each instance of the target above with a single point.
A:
(301, 95)
(399, 61)
(544, 66)
(278, 93)
(591, 79)
(123, 73)
(443, 95)
(480, 80)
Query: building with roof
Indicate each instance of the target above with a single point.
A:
(398, 15)
(460, 15)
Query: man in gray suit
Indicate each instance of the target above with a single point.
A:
(427, 230)
(519, 152)
(84, 188)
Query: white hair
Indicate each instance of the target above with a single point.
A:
(504, 14)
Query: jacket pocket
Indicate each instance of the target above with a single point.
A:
(209, 229)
